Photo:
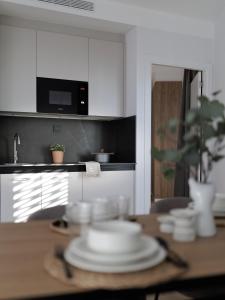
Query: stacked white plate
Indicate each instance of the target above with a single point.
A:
(219, 205)
(122, 250)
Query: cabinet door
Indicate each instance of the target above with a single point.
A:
(20, 196)
(55, 189)
(105, 78)
(75, 187)
(62, 56)
(110, 183)
(60, 188)
(17, 69)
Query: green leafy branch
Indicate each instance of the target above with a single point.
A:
(57, 147)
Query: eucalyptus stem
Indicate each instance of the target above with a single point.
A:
(197, 151)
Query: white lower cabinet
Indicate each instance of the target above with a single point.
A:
(59, 188)
(75, 186)
(20, 196)
(23, 194)
(110, 183)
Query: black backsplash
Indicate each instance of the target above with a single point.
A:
(80, 138)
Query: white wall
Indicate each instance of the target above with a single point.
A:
(158, 47)
(175, 46)
(219, 84)
(59, 28)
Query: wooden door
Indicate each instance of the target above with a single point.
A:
(166, 104)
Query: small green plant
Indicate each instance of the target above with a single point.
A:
(57, 147)
(202, 143)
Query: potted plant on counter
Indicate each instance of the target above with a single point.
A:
(202, 146)
(57, 153)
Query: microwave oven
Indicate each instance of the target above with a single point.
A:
(62, 96)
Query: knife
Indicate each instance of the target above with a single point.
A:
(59, 254)
(172, 256)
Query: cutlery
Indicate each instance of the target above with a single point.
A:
(172, 256)
(59, 253)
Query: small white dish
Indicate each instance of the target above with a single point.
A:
(149, 247)
(114, 237)
(139, 265)
(184, 224)
(166, 223)
(183, 213)
(219, 203)
(184, 234)
(184, 217)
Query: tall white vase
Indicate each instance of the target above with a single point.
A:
(203, 197)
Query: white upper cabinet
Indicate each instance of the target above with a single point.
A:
(62, 56)
(17, 69)
(106, 79)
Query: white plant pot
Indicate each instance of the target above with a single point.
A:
(203, 197)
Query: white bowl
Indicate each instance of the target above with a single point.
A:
(219, 202)
(183, 213)
(166, 223)
(79, 212)
(114, 237)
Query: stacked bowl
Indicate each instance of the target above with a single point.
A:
(99, 209)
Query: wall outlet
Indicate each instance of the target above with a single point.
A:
(56, 128)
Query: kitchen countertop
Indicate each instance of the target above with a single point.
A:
(67, 167)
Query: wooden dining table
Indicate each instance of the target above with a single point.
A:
(23, 247)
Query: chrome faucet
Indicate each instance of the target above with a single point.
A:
(16, 141)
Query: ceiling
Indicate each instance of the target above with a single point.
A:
(201, 9)
(207, 10)
(45, 15)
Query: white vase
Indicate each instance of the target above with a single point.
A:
(203, 197)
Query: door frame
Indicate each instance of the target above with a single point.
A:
(144, 120)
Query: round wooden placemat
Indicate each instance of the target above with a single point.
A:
(70, 230)
(163, 272)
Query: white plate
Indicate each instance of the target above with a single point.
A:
(79, 248)
(89, 265)
(99, 217)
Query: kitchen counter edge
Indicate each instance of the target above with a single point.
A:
(5, 169)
